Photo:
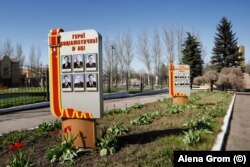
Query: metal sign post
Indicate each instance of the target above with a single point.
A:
(76, 81)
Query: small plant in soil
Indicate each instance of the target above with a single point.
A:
(118, 129)
(142, 120)
(65, 151)
(18, 157)
(191, 137)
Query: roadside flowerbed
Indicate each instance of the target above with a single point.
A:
(140, 135)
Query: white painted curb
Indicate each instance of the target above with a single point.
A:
(224, 128)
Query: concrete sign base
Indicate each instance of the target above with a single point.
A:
(84, 129)
(180, 100)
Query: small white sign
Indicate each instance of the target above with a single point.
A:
(182, 79)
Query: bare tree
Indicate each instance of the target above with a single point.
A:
(115, 63)
(203, 48)
(8, 49)
(107, 62)
(35, 57)
(169, 39)
(210, 77)
(144, 52)
(231, 78)
(179, 39)
(32, 57)
(128, 52)
(38, 57)
(157, 54)
(247, 67)
(203, 52)
(120, 52)
(198, 80)
(19, 54)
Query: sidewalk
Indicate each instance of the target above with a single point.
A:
(239, 133)
(31, 118)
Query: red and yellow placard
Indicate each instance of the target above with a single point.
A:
(176, 75)
(55, 88)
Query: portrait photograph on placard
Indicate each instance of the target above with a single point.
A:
(78, 62)
(91, 82)
(78, 82)
(91, 62)
(66, 63)
(66, 82)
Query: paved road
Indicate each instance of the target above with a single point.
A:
(239, 134)
(32, 118)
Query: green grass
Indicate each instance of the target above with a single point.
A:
(151, 144)
(21, 100)
(22, 90)
(21, 96)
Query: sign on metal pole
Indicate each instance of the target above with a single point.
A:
(76, 74)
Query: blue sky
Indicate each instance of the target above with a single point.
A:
(29, 21)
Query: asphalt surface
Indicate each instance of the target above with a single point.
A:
(239, 133)
(28, 119)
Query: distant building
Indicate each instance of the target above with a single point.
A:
(34, 77)
(242, 57)
(9, 71)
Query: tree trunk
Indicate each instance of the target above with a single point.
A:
(141, 85)
(127, 82)
(211, 86)
(156, 80)
(148, 79)
(152, 80)
(109, 85)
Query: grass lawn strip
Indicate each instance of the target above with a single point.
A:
(143, 145)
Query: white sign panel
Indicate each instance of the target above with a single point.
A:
(182, 79)
(81, 71)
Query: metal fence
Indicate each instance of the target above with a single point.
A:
(23, 85)
(27, 85)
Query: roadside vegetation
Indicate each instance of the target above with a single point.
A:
(140, 135)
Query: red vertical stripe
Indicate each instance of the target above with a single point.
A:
(171, 79)
(55, 83)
